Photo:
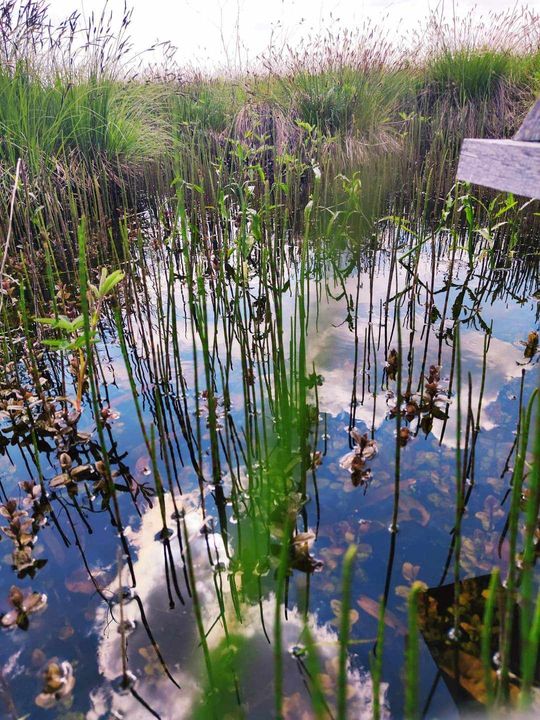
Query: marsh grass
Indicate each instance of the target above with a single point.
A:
(80, 109)
(254, 213)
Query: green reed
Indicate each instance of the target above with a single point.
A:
(487, 635)
(377, 663)
(412, 706)
(512, 576)
(344, 630)
(530, 617)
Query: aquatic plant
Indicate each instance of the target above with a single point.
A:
(285, 308)
(23, 604)
(73, 334)
(59, 682)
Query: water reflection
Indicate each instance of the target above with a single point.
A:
(171, 684)
(248, 387)
(352, 353)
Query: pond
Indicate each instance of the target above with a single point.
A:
(266, 400)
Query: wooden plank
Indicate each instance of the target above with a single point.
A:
(530, 128)
(506, 165)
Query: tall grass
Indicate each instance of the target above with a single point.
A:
(47, 123)
(76, 102)
(66, 91)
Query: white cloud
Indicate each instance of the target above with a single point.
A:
(175, 633)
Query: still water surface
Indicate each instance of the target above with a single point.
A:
(350, 304)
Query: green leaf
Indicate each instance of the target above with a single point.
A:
(59, 323)
(110, 282)
(63, 323)
(58, 344)
(78, 323)
(80, 342)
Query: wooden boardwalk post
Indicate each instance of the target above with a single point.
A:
(507, 165)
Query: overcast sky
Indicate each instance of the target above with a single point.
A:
(205, 31)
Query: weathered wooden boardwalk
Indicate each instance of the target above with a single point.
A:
(507, 165)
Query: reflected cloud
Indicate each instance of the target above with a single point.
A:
(157, 617)
(339, 354)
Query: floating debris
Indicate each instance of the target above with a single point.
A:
(124, 683)
(59, 682)
(108, 414)
(302, 559)
(24, 604)
(392, 364)
(531, 346)
(354, 461)
(427, 405)
(22, 529)
(123, 595)
(364, 449)
(404, 436)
